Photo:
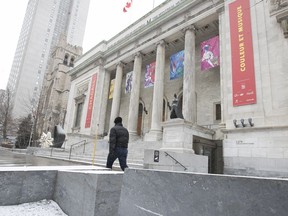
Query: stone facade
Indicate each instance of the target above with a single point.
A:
(255, 148)
(54, 96)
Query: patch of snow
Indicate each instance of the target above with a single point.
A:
(40, 208)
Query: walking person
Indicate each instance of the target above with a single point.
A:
(118, 144)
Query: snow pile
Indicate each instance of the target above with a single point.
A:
(41, 208)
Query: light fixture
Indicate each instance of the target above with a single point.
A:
(243, 122)
(145, 110)
(250, 122)
(235, 123)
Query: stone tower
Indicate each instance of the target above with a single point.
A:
(56, 87)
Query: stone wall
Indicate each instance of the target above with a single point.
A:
(24, 186)
(146, 192)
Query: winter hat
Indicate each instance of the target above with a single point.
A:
(118, 120)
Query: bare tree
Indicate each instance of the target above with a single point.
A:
(6, 112)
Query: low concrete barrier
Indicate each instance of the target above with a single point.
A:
(147, 192)
(17, 187)
(88, 193)
(78, 190)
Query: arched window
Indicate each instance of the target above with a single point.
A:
(65, 61)
(72, 61)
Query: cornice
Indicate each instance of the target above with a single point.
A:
(87, 62)
(178, 9)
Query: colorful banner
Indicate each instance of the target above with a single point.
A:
(128, 84)
(177, 65)
(210, 54)
(91, 101)
(111, 90)
(149, 75)
(243, 77)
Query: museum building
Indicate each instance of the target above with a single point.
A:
(219, 66)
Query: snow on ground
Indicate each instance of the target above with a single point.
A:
(41, 208)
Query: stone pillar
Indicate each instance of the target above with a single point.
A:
(134, 96)
(104, 101)
(223, 65)
(189, 93)
(158, 93)
(116, 94)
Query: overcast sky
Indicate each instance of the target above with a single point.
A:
(105, 19)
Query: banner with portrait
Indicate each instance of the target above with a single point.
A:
(128, 83)
(210, 54)
(149, 75)
(177, 65)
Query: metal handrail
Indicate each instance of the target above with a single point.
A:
(176, 161)
(54, 147)
(82, 142)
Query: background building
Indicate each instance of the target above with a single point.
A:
(44, 22)
(56, 86)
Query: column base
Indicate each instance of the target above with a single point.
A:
(133, 136)
(153, 135)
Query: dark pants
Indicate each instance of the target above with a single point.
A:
(121, 154)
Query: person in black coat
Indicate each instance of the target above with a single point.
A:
(118, 144)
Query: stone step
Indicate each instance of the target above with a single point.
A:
(98, 160)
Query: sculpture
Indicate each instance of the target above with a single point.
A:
(46, 140)
(175, 111)
(59, 136)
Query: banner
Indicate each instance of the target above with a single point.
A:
(149, 75)
(111, 90)
(210, 54)
(243, 77)
(91, 101)
(128, 84)
(177, 65)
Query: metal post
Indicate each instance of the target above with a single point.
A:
(95, 142)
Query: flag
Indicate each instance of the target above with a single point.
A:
(128, 5)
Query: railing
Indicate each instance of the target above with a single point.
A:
(176, 161)
(78, 144)
(51, 152)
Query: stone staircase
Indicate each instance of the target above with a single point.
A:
(92, 152)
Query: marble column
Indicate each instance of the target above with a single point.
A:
(223, 65)
(104, 101)
(189, 93)
(134, 96)
(155, 132)
(116, 94)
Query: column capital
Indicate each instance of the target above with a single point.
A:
(99, 62)
(161, 43)
(189, 28)
(120, 64)
(220, 10)
(138, 54)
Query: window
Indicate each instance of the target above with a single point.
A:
(79, 108)
(71, 62)
(65, 62)
(217, 111)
